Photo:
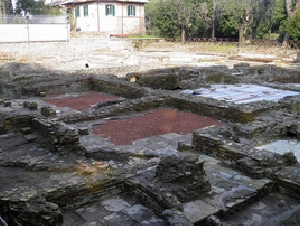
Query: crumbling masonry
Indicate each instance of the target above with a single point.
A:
(53, 169)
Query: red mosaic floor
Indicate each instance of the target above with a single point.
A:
(124, 131)
(82, 102)
(161, 121)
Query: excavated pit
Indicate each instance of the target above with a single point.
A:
(85, 148)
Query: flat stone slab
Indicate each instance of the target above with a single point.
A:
(271, 210)
(198, 210)
(30, 137)
(152, 146)
(283, 146)
(242, 94)
(114, 210)
(229, 188)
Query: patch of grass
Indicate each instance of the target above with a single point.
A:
(213, 48)
(142, 36)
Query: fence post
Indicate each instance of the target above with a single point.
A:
(67, 27)
(27, 23)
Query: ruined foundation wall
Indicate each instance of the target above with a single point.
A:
(116, 87)
(13, 124)
(62, 138)
(203, 108)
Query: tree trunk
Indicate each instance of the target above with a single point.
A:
(182, 34)
(253, 33)
(241, 35)
(269, 33)
(288, 4)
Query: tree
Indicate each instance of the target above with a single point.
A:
(161, 17)
(242, 13)
(265, 18)
(293, 27)
(175, 18)
(184, 11)
(36, 7)
(5, 7)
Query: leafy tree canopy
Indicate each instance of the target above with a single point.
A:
(224, 18)
(293, 27)
(36, 7)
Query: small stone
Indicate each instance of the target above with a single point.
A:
(51, 206)
(26, 104)
(83, 131)
(7, 103)
(26, 130)
(42, 94)
(33, 105)
(30, 137)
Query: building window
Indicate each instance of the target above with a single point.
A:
(85, 10)
(131, 10)
(69, 10)
(77, 12)
(110, 10)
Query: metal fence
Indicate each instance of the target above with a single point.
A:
(33, 19)
(255, 43)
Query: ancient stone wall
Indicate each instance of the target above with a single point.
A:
(62, 138)
(184, 174)
(14, 124)
(239, 153)
(116, 87)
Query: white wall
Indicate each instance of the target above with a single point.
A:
(35, 33)
(118, 24)
(87, 23)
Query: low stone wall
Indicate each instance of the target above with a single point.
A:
(10, 124)
(116, 87)
(239, 153)
(140, 104)
(185, 175)
(62, 138)
(36, 211)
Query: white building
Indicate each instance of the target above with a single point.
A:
(120, 17)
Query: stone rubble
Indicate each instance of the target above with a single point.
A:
(54, 171)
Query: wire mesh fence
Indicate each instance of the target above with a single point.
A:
(33, 19)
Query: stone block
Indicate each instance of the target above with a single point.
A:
(47, 111)
(30, 137)
(33, 105)
(26, 130)
(7, 103)
(184, 147)
(26, 104)
(183, 172)
(241, 65)
(43, 94)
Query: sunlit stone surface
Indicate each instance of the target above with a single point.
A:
(242, 94)
(283, 146)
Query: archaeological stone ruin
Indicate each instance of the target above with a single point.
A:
(64, 160)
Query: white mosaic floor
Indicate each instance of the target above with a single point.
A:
(283, 146)
(242, 94)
